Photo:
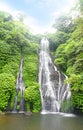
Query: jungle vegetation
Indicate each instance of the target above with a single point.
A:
(66, 47)
(16, 42)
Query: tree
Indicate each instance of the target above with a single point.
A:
(64, 24)
(7, 88)
(69, 54)
(16, 43)
(32, 95)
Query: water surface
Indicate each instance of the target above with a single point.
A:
(41, 122)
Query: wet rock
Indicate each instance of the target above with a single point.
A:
(27, 113)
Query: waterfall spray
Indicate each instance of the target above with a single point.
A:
(53, 89)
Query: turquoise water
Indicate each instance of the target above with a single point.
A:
(41, 122)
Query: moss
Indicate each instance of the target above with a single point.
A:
(19, 97)
(18, 107)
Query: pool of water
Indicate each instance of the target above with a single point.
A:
(41, 122)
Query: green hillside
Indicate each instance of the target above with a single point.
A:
(66, 47)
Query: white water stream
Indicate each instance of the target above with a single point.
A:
(53, 89)
(19, 89)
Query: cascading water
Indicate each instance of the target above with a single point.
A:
(53, 90)
(19, 103)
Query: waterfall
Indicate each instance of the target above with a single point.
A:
(19, 98)
(53, 90)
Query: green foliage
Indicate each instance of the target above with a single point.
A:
(65, 106)
(32, 95)
(7, 88)
(81, 6)
(4, 16)
(18, 107)
(76, 82)
(58, 38)
(11, 67)
(61, 63)
(64, 23)
(77, 101)
(69, 53)
(61, 58)
(19, 97)
(12, 100)
(4, 53)
(16, 42)
(30, 69)
(28, 106)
